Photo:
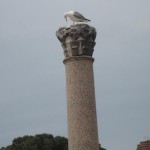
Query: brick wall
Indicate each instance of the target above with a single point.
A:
(145, 145)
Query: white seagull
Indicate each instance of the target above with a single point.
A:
(75, 16)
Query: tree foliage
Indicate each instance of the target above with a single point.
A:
(39, 142)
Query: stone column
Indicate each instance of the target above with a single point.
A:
(78, 43)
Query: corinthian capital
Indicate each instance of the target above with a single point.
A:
(77, 40)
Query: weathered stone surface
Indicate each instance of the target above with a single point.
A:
(82, 120)
(144, 145)
(78, 42)
(77, 39)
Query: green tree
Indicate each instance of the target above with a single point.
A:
(38, 142)
(101, 148)
(61, 143)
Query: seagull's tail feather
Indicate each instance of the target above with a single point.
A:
(87, 20)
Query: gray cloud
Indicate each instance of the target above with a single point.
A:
(32, 75)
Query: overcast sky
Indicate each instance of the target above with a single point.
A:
(32, 75)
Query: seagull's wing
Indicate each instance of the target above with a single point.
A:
(80, 16)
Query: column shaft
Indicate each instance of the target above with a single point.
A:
(81, 107)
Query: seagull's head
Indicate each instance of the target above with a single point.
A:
(65, 16)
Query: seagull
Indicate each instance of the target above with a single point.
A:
(75, 16)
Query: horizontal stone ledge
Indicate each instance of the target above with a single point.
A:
(77, 58)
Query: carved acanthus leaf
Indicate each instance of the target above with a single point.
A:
(77, 39)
